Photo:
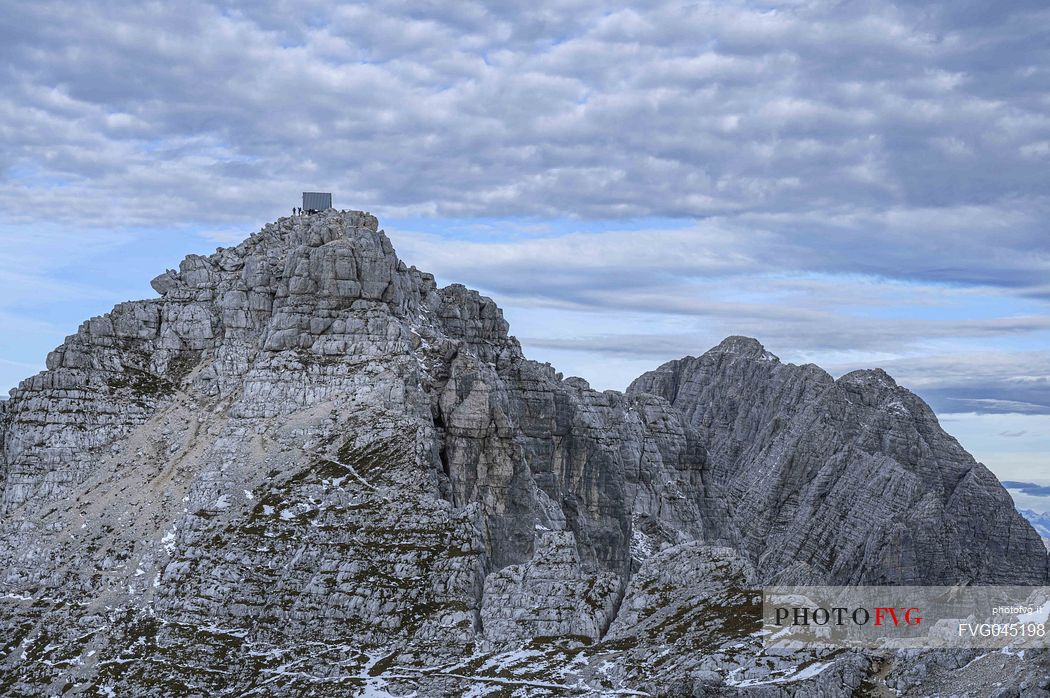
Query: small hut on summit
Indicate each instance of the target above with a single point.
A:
(315, 201)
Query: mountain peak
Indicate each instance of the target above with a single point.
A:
(747, 347)
(360, 456)
(869, 378)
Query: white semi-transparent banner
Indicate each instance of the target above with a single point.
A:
(903, 617)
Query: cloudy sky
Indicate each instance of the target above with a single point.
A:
(854, 184)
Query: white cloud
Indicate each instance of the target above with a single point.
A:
(561, 108)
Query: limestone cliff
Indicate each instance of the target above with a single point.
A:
(851, 481)
(306, 467)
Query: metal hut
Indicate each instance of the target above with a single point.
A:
(315, 201)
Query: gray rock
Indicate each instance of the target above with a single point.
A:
(550, 595)
(848, 481)
(323, 473)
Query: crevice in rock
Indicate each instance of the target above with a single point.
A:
(621, 594)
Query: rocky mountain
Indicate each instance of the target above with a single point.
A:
(848, 481)
(305, 469)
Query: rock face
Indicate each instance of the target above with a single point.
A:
(322, 473)
(550, 595)
(851, 481)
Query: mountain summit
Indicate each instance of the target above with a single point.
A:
(305, 467)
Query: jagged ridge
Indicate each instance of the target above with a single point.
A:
(305, 440)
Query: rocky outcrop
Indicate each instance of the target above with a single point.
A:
(844, 481)
(318, 469)
(550, 596)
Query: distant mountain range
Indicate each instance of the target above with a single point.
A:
(1040, 522)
